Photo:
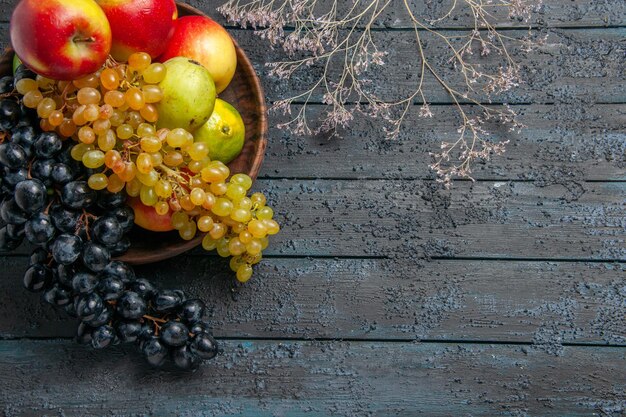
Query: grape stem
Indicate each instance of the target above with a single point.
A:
(154, 319)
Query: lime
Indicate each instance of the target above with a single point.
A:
(224, 132)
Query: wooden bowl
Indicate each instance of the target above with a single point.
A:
(246, 95)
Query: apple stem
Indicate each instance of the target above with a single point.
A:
(79, 39)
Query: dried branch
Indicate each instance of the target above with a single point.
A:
(316, 33)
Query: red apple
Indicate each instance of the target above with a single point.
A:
(60, 39)
(139, 25)
(147, 217)
(206, 41)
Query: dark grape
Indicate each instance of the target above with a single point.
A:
(95, 257)
(107, 230)
(192, 310)
(84, 282)
(131, 306)
(108, 200)
(77, 195)
(12, 155)
(6, 84)
(174, 333)
(66, 248)
(200, 327)
(39, 229)
(61, 173)
(103, 318)
(154, 351)
(38, 256)
(31, 195)
(25, 136)
(42, 170)
(110, 288)
(9, 114)
(128, 331)
(204, 345)
(185, 359)
(120, 247)
(89, 306)
(22, 71)
(120, 270)
(64, 219)
(11, 213)
(146, 332)
(102, 337)
(48, 144)
(37, 277)
(143, 287)
(65, 274)
(14, 177)
(125, 216)
(83, 334)
(166, 300)
(57, 296)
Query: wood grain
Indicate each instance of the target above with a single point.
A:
(562, 219)
(581, 142)
(554, 13)
(579, 65)
(558, 218)
(270, 378)
(543, 303)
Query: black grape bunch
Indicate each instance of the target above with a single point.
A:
(76, 232)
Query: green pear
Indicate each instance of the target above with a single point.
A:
(188, 95)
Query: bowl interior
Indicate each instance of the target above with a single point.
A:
(246, 95)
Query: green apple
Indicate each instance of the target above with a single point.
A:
(188, 95)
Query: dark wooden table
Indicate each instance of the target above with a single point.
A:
(384, 294)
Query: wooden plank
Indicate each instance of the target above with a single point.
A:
(573, 65)
(588, 143)
(269, 378)
(555, 13)
(555, 218)
(415, 219)
(543, 303)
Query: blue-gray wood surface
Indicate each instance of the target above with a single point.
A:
(385, 295)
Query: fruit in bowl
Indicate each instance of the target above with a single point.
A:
(59, 39)
(112, 118)
(152, 23)
(206, 41)
(83, 159)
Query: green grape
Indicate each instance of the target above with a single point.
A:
(93, 159)
(148, 196)
(208, 243)
(242, 179)
(188, 231)
(98, 181)
(241, 215)
(236, 247)
(244, 273)
(179, 219)
(222, 207)
(264, 213)
(235, 191)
